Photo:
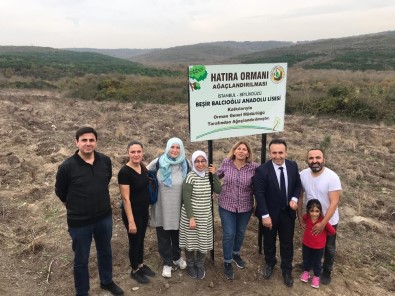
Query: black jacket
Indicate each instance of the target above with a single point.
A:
(267, 190)
(84, 189)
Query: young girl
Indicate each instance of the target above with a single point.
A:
(196, 223)
(313, 245)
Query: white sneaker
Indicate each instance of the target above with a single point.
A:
(181, 263)
(166, 271)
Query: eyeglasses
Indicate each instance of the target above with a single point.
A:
(200, 161)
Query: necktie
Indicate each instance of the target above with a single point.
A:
(282, 186)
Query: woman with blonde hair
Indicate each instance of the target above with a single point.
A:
(235, 202)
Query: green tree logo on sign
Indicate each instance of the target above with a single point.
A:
(198, 73)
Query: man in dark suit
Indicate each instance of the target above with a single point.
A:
(277, 187)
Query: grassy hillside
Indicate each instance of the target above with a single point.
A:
(122, 53)
(357, 53)
(351, 77)
(205, 53)
(360, 53)
(86, 75)
(362, 95)
(52, 64)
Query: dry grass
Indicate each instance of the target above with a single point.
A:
(37, 131)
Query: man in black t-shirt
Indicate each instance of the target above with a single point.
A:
(82, 185)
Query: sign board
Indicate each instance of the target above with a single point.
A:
(236, 100)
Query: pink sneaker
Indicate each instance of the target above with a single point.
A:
(315, 283)
(305, 276)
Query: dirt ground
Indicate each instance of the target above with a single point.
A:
(37, 134)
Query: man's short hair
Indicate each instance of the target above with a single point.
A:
(278, 141)
(312, 149)
(85, 130)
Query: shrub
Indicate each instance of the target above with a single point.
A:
(338, 91)
(325, 143)
(329, 105)
(360, 109)
(362, 96)
(108, 83)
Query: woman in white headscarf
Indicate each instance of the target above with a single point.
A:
(196, 224)
(172, 168)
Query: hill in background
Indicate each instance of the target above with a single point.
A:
(202, 53)
(205, 53)
(51, 64)
(122, 53)
(357, 53)
(350, 77)
(365, 52)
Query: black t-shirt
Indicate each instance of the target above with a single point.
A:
(139, 194)
(84, 189)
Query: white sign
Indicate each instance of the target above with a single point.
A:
(236, 100)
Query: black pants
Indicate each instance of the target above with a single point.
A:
(168, 245)
(312, 259)
(330, 252)
(136, 240)
(285, 229)
(195, 258)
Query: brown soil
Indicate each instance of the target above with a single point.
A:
(37, 134)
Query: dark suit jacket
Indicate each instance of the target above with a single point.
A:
(267, 190)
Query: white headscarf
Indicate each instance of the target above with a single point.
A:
(195, 155)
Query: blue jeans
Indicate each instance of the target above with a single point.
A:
(81, 237)
(233, 229)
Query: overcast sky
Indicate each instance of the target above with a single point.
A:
(168, 23)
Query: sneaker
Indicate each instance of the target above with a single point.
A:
(201, 273)
(315, 283)
(305, 276)
(239, 262)
(112, 288)
(192, 272)
(325, 277)
(181, 263)
(228, 270)
(139, 276)
(146, 270)
(166, 271)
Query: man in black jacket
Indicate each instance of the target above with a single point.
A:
(277, 188)
(82, 185)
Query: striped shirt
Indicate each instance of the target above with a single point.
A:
(201, 238)
(237, 194)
